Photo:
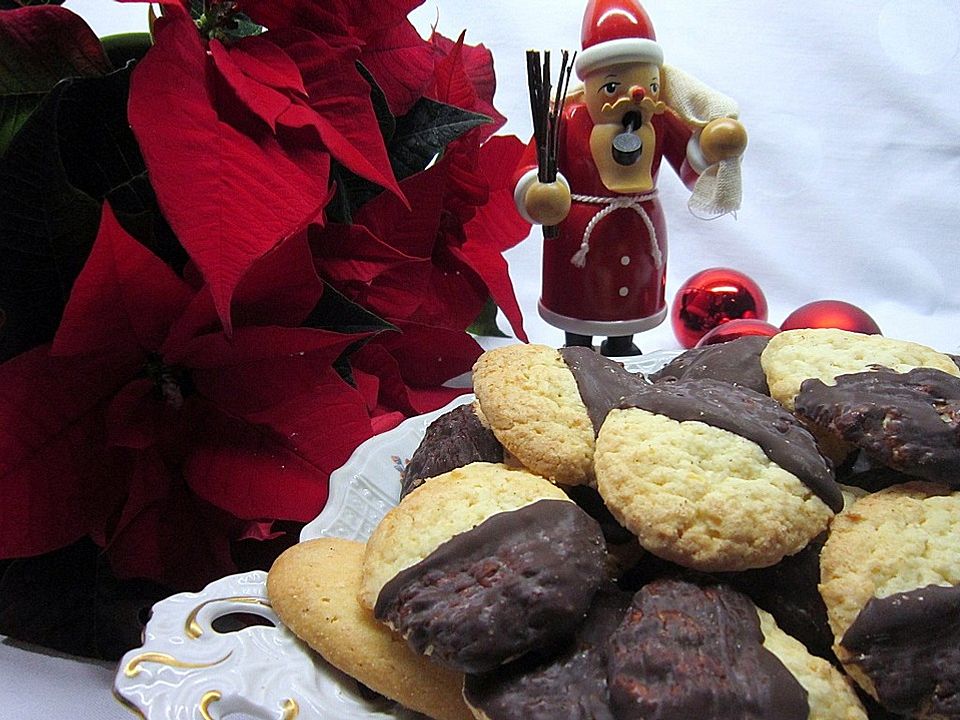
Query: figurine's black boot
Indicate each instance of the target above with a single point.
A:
(575, 340)
(619, 346)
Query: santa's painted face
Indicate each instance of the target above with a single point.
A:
(612, 92)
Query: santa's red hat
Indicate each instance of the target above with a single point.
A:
(616, 31)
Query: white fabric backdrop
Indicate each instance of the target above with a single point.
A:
(851, 181)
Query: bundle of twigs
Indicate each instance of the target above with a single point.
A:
(547, 112)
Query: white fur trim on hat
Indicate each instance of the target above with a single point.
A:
(614, 52)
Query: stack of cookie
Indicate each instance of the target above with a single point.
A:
(584, 542)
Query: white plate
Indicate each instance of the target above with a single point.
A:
(187, 670)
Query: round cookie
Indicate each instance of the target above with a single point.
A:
(693, 651)
(685, 650)
(793, 356)
(890, 578)
(547, 405)
(707, 497)
(829, 693)
(483, 564)
(789, 591)
(569, 684)
(456, 438)
(531, 400)
(735, 361)
(313, 589)
(907, 421)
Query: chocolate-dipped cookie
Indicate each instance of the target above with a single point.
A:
(545, 406)
(677, 649)
(890, 578)
(789, 591)
(570, 683)
(623, 549)
(456, 438)
(793, 356)
(313, 588)
(907, 421)
(686, 650)
(482, 565)
(735, 361)
(713, 476)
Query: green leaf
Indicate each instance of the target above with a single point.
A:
(418, 137)
(14, 4)
(71, 601)
(338, 313)
(425, 131)
(124, 47)
(353, 190)
(222, 21)
(74, 152)
(101, 158)
(47, 228)
(486, 323)
(14, 111)
(38, 48)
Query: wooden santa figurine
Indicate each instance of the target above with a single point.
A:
(604, 268)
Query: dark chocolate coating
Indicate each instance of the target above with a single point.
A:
(602, 382)
(591, 502)
(751, 415)
(684, 651)
(518, 581)
(454, 439)
(908, 644)
(572, 684)
(907, 421)
(789, 591)
(735, 361)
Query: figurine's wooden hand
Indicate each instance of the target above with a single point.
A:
(722, 139)
(547, 203)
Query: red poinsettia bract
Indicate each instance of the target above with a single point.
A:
(145, 427)
(238, 139)
(430, 271)
(173, 415)
(389, 46)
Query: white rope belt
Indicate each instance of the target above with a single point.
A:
(629, 202)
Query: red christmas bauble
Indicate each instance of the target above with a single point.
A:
(712, 297)
(733, 329)
(831, 314)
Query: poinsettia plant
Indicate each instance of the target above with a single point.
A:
(230, 251)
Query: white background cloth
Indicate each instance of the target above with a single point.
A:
(851, 183)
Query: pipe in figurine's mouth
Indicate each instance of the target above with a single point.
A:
(627, 146)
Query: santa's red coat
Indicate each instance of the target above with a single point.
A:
(620, 288)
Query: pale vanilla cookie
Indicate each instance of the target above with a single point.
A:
(830, 695)
(740, 487)
(482, 564)
(468, 495)
(530, 399)
(890, 578)
(313, 589)
(793, 356)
